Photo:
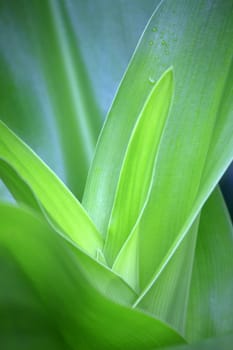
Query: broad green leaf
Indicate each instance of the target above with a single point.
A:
(212, 271)
(202, 105)
(211, 304)
(84, 317)
(99, 275)
(201, 116)
(177, 196)
(222, 135)
(168, 292)
(24, 321)
(137, 169)
(61, 205)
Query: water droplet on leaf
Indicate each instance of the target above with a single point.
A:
(151, 80)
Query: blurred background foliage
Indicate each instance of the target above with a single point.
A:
(61, 63)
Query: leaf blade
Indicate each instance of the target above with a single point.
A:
(137, 170)
(76, 318)
(50, 191)
(209, 313)
(163, 43)
(167, 294)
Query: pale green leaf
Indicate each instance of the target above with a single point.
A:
(84, 317)
(127, 261)
(61, 205)
(167, 294)
(137, 169)
(203, 31)
(180, 189)
(211, 303)
(201, 116)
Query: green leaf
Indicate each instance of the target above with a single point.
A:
(202, 105)
(220, 149)
(137, 169)
(212, 281)
(211, 304)
(18, 188)
(97, 274)
(167, 294)
(61, 205)
(24, 322)
(201, 116)
(80, 312)
(177, 196)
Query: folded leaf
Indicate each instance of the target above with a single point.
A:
(210, 303)
(137, 169)
(201, 116)
(61, 205)
(181, 188)
(167, 294)
(97, 274)
(84, 317)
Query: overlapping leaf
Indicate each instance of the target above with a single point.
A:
(137, 170)
(81, 314)
(201, 107)
(61, 205)
(211, 304)
(168, 294)
(187, 167)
